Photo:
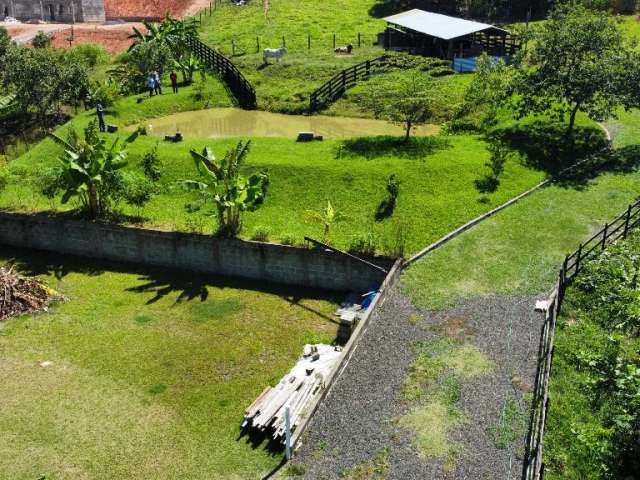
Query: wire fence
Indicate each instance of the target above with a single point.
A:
(572, 266)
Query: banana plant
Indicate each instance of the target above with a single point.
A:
(231, 193)
(188, 64)
(89, 166)
(327, 217)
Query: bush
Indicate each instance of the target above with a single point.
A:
(41, 40)
(50, 182)
(135, 189)
(92, 54)
(152, 165)
(288, 239)
(363, 244)
(441, 71)
(260, 234)
(106, 93)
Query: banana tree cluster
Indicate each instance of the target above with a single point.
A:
(88, 168)
(231, 192)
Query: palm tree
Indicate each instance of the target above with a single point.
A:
(327, 217)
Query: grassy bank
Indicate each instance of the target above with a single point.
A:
(151, 371)
(592, 427)
(285, 87)
(520, 249)
(437, 191)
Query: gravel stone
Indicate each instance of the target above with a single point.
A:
(356, 419)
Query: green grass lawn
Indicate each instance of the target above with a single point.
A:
(520, 249)
(285, 87)
(437, 192)
(151, 371)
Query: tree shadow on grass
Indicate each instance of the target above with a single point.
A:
(622, 160)
(161, 282)
(545, 147)
(374, 147)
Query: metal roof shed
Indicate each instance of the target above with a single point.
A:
(443, 36)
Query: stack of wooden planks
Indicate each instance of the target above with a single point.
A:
(295, 392)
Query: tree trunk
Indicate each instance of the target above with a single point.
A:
(572, 120)
(407, 132)
(94, 204)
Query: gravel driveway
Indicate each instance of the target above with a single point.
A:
(356, 420)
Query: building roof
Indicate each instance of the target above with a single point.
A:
(438, 25)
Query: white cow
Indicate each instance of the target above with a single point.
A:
(276, 53)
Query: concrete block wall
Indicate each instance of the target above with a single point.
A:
(63, 11)
(201, 253)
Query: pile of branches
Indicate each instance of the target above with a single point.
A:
(20, 295)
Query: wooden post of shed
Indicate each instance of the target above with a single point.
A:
(450, 50)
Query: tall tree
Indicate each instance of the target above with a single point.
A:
(43, 80)
(406, 98)
(578, 62)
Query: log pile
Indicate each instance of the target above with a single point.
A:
(296, 391)
(20, 295)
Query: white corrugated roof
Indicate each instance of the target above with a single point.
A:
(436, 24)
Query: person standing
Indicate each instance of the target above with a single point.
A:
(174, 81)
(151, 84)
(156, 82)
(100, 113)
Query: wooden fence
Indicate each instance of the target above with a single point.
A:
(239, 86)
(572, 265)
(336, 86)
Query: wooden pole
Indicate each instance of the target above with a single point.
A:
(578, 258)
(257, 44)
(626, 222)
(358, 39)
(284, 43)
(309, 41)
(334, 41)
(604, 235)
(287, 432)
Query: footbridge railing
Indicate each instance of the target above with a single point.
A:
(336, 86)
(239, 86)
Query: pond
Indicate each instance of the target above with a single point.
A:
(234, 122)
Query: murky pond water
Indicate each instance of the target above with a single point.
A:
(234, 122)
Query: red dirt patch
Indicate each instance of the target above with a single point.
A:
(113, 38)
(150, 8)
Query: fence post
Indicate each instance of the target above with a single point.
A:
(358, 39)
(604, 235)
(284, 43)
(257, 44)
(334, 41)
(368, 67)
(308, 41)
(626, 222)
(578, 258)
